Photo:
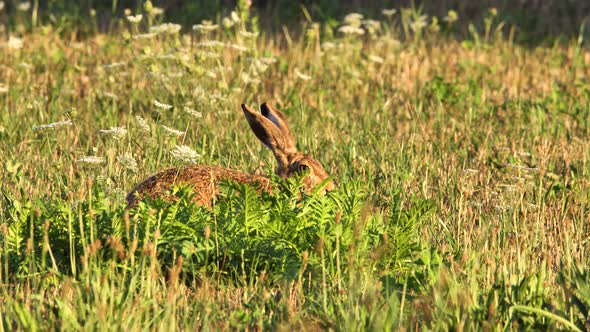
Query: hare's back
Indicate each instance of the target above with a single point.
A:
(204, 180)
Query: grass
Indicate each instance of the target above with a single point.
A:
(462, 171)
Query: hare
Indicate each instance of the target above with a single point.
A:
(272, 129)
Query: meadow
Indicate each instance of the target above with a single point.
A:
(461, 163)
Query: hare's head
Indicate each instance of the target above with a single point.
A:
(272, 129)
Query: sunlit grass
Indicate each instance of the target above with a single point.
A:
(462, 168)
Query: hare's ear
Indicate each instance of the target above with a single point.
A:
(269, 134)
(276, 117)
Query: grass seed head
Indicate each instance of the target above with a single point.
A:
(53, 125)
(302, 76)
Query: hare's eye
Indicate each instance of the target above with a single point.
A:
(302, 168)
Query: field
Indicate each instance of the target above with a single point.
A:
(462, 167)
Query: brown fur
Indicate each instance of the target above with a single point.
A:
(272, 129)
(204, 180)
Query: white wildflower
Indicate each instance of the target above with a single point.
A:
(165, 56)
(199, 92)
(372, 26)
(238, 47)
(184, 154)
(260, 66)
(216, 96)
(110, 95)
(156, 11)
(143, 124)
(235, 17)
(176, 74)
(470, 171)
(25, 65)
(117, 133)
(328, 46)
(162, 105)
(248, 34)
(14, 43)
(375, 58)
(208, 55)
(268, 60)
(227, 23)
(389, 12)
(353, 19)
(419, 24)
(117, 193)
(134, 18)
(128, 161)
(500, 208)
(247, 79)
(93, 160)
(114, 65)
(169, 28)
(24, 6)
(205, 27)
(183, 55)
(192, 112)
(145, 36)
(53, 125)
(172, 131)
(390, 42)
(302, 75)
(3, 88)
(211, 74)
(211, 43)
(351, 30)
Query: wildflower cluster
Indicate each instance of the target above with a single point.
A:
(166, 28)
(117, 133)
(184, 154)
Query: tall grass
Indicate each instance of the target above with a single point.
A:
(462, 174)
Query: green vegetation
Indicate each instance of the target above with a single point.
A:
(462, 166)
